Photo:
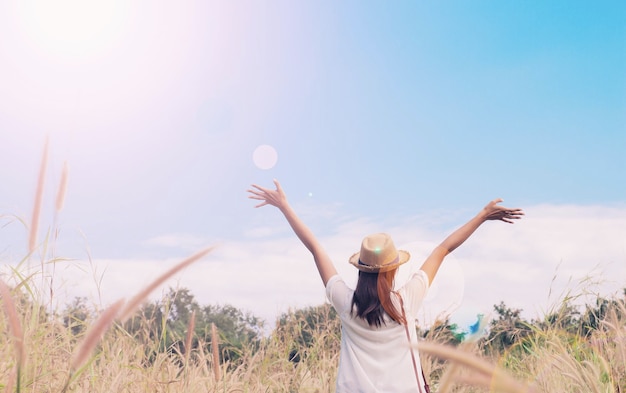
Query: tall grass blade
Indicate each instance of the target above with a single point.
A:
(16, 329)
(14, 321)
(216, 352)
(13, 377)
(190, 330)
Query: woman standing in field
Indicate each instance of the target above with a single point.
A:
(377, 322)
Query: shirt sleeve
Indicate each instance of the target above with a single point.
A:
(339, 295)
(414, 292)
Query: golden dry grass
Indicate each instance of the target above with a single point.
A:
(38, 353)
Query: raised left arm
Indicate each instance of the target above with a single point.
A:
(492, 211)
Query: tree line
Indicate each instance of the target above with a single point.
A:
(163, 325)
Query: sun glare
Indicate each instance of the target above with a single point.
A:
(71, 27)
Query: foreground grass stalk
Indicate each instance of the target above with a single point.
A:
(92, 338)
(189, 337)
(216, 352)
(188, 342)
(134, 303)
(497, 377)
(16, 330)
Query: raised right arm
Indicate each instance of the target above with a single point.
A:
(278, 199)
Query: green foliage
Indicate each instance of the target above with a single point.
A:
(507, 330)
(307, 330)
(238, 330)
(166, 322)
(76, 315)
(591, 319)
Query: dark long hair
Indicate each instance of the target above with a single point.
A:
(372, 298)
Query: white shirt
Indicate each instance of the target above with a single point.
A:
(377, 359)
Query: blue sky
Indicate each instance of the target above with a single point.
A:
(404, 118)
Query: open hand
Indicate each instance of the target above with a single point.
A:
(269, 197)
(493, 211)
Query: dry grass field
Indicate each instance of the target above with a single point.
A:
(125, 348)
(39, 352)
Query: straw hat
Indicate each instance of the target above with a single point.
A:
(378, 254)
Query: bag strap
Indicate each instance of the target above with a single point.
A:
(408, 337)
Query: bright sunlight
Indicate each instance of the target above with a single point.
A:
(72, 28)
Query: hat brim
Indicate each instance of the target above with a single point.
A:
(403, 257)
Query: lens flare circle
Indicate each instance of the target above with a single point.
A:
(265, 157)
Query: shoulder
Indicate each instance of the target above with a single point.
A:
(333, 280)
(338, 293)
(419, 279)
(414, 291)
(336, 284)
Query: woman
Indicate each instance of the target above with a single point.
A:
(375, 355)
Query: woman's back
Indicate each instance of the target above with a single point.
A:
(376, 359)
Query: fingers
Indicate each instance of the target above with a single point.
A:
(258, 197)
(511, 214)
(262, 189)
(267, 190)
(495, 211)
(515, 213)
(279, 188)
(255, 194)
(262, 194)
(507, 210)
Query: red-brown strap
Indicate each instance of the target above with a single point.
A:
(408, 337)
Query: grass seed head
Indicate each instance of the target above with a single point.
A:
(62, 188)
(34, 224)
(14, 322)
(95, 333)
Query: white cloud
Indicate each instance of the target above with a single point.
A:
(548, 252)
(182, 240)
